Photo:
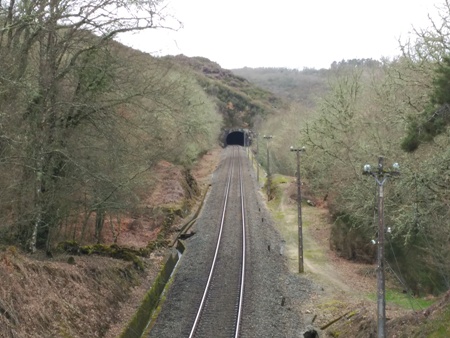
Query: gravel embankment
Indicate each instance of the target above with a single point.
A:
(273, 296)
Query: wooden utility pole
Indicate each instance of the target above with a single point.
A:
(249, 139)
(299, 211)
(381, 175)
(269, 175)
(257, 163)
(381, 297)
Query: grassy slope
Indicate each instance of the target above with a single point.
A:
(348, 288)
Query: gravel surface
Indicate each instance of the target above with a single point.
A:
(273, 296)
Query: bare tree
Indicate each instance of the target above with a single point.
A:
(61, 68)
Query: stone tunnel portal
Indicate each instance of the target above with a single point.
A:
(235, 138)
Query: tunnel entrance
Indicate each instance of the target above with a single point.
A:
(235, 138)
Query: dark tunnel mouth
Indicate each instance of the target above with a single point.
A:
(235, 138)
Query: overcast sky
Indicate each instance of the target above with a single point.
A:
(286, 33)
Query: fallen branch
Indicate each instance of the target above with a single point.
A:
(334, 321)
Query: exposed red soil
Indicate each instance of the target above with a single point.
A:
(201, 171)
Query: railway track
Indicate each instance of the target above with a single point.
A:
(220, 310)
(245, 296)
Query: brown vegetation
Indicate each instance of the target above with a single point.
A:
(78, 295)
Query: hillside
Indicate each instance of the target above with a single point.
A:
(365, 112)
(303, 87)
(105, 152)
(344, 299)
(123, 283)
(79, 293)
(240, 102)
(100, 153)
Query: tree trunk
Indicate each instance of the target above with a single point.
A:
(99, 221)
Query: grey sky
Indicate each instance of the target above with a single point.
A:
(286, 33)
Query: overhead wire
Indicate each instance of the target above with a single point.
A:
(398, 274)
(401, 278)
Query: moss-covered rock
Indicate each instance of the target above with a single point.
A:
(113, 251)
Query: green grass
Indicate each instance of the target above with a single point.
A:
(286, 222)
(403, 300)
(333, 305)
(278, 215)
(279, 179)
(315, 255)
(437, 328)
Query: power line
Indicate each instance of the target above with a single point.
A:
(400, 278)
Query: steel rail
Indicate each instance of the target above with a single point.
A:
(218, 244)
(222, 221)
(242, 283)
